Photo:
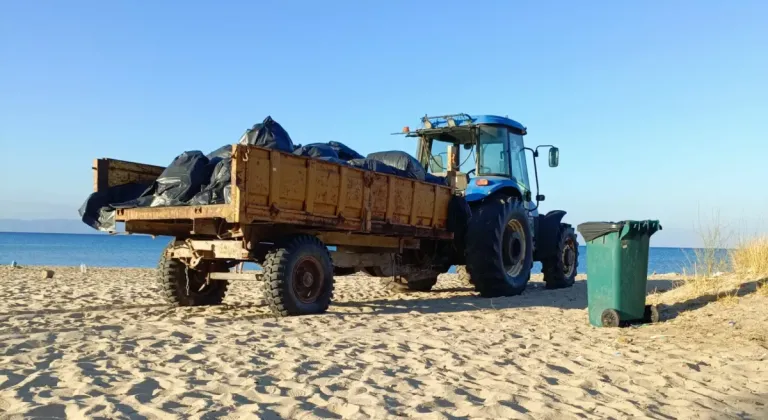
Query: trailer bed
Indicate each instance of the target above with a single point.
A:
(277, 188)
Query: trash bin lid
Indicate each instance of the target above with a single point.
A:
(593, 230)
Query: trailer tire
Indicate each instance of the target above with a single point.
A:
(298, 277)
(464, 277)
(172, 279)
(560, 270)
(499, 247)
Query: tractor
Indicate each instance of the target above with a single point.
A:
(484, 159)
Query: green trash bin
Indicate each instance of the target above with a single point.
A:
(617, 271)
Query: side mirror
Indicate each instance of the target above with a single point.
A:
(554, 157)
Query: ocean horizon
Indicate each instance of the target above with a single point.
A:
(143, 251)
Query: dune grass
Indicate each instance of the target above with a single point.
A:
(710, 264)
(716, 271)
(750, 258)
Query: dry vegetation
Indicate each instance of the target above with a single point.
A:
(750, 260)
(721, 274)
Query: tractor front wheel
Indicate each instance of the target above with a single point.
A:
(499, 247)
(560, 270)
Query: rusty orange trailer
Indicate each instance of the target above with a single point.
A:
(283, 213)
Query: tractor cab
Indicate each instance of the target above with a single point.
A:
(480, 155)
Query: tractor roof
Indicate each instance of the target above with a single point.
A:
(465, 119)
(449, 123)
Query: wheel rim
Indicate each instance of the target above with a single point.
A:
(307, 279)
(569, 257)
(514, 248)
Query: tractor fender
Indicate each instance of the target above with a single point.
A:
(496, 185)
(547, 232)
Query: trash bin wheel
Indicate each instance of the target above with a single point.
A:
(610, 318)
(651, 314)
(298, 276)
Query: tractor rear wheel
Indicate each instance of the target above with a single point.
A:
(184, 286)
(298, 277)
(560, 270)
(499, 247)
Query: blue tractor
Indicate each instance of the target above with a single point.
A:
(484, 158)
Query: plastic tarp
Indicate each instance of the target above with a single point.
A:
(97, 211)
(268, 134)
(402, 161)
(344, 152)
(213, 192)
(181, 180)
(316, 150)
(377, 166)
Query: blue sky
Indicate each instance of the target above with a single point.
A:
(658, 107)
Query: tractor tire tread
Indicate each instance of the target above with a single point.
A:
(553, 268)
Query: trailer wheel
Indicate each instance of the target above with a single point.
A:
(174, 277)
(560, 270)
(499, 247)
(463, 274)
(298, 277)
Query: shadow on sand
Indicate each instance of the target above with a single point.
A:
(535, 296)
(106, 307)
(673, 311)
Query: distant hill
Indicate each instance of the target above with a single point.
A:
(46, 226)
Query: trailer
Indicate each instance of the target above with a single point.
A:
(285, 211)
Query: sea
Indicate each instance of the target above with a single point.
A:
(101, 250)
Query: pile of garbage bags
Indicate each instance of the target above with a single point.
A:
(194, 178)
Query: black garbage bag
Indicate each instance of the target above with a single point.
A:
(179, 182)
(434, 179)
(213, 192)
(344, 152)
(377, 166)
(98, 210)
(223, 152)
(334, 160)
(402, 161)
(228, 194)
(316, 150)
(268, 134)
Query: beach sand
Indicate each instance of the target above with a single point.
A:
(104, 345)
